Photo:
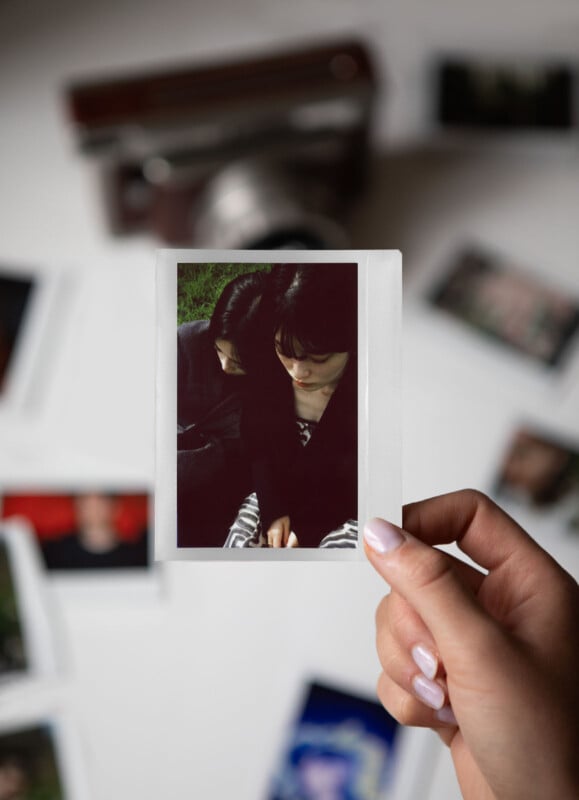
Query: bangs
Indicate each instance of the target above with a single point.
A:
(294, 343)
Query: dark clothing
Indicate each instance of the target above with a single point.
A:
(316, 485)
(68, 553)
(212, 475)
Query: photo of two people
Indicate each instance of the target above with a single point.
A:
(267, 395)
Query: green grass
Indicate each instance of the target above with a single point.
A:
(200, 285)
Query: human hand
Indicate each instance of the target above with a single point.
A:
(487, 659)
(279, 533)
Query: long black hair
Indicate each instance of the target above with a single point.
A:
(236, 315)
(313, 308)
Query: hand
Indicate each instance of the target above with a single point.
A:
(488, 660)
(280, 534)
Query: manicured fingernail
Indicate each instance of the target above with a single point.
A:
(446, 714)
(381, 536)
(425, 660)
(428, 691)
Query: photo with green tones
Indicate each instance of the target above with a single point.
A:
(29, 767)
(13, 657)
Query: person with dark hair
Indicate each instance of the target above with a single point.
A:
(212, 359)
(299, 424)
(95, 541)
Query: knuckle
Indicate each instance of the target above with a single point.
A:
(427, 568)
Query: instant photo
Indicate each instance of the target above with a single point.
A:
(13, 649)
(341, 745)
(28, 622)
(91, 530)
(263, 400)
(41, 756)
(510, 96)
(15, 298)
(29, 297)
(540, 474)
(28, 764)
(502, 302)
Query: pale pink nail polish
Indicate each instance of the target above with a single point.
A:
(428, 691)
(425, 660)
(446, 714)
(381, 536)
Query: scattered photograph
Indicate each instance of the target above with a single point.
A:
(500, 301)
(540, 472)
(341, 746)
(513, 95)
(96, 529)
(13, 649)
(29, 768)
(15, 296)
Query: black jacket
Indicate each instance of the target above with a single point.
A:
(315, 485)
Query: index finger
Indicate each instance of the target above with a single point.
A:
(480, 528)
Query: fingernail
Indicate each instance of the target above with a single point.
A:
(381, 536)
(425, 660)
(446, 714)
(428, 691)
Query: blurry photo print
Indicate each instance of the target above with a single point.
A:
(15, 300)
(341, 745)
(29, 766)
(92, 529)
(28, 621)
(540, 473)
(14, 658)
(497, 298)
(264, 363)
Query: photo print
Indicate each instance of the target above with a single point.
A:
(501, 301)
(260, 361)
(540, 474)
(92, 529)
(14, 658)
(28, 621)
(341, 745)
(29, 765)
(15, 299)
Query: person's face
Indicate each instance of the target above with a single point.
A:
(310, 372)
(228, 358)
(95, 509)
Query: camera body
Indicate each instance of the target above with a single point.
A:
(254, 153)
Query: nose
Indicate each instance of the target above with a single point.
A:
(300, 370)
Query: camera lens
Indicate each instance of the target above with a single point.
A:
(258, 204)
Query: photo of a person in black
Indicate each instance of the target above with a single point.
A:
(95, 542)
(299, 423)
(215, 359)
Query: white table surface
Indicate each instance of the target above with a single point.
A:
(183, 689)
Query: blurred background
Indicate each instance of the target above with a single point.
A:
(438, 132)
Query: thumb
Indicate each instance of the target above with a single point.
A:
(428, 580)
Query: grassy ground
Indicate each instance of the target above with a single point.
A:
(199, 287)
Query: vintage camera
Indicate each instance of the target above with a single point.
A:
(258, 153)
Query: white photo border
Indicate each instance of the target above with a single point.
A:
(379, 396)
